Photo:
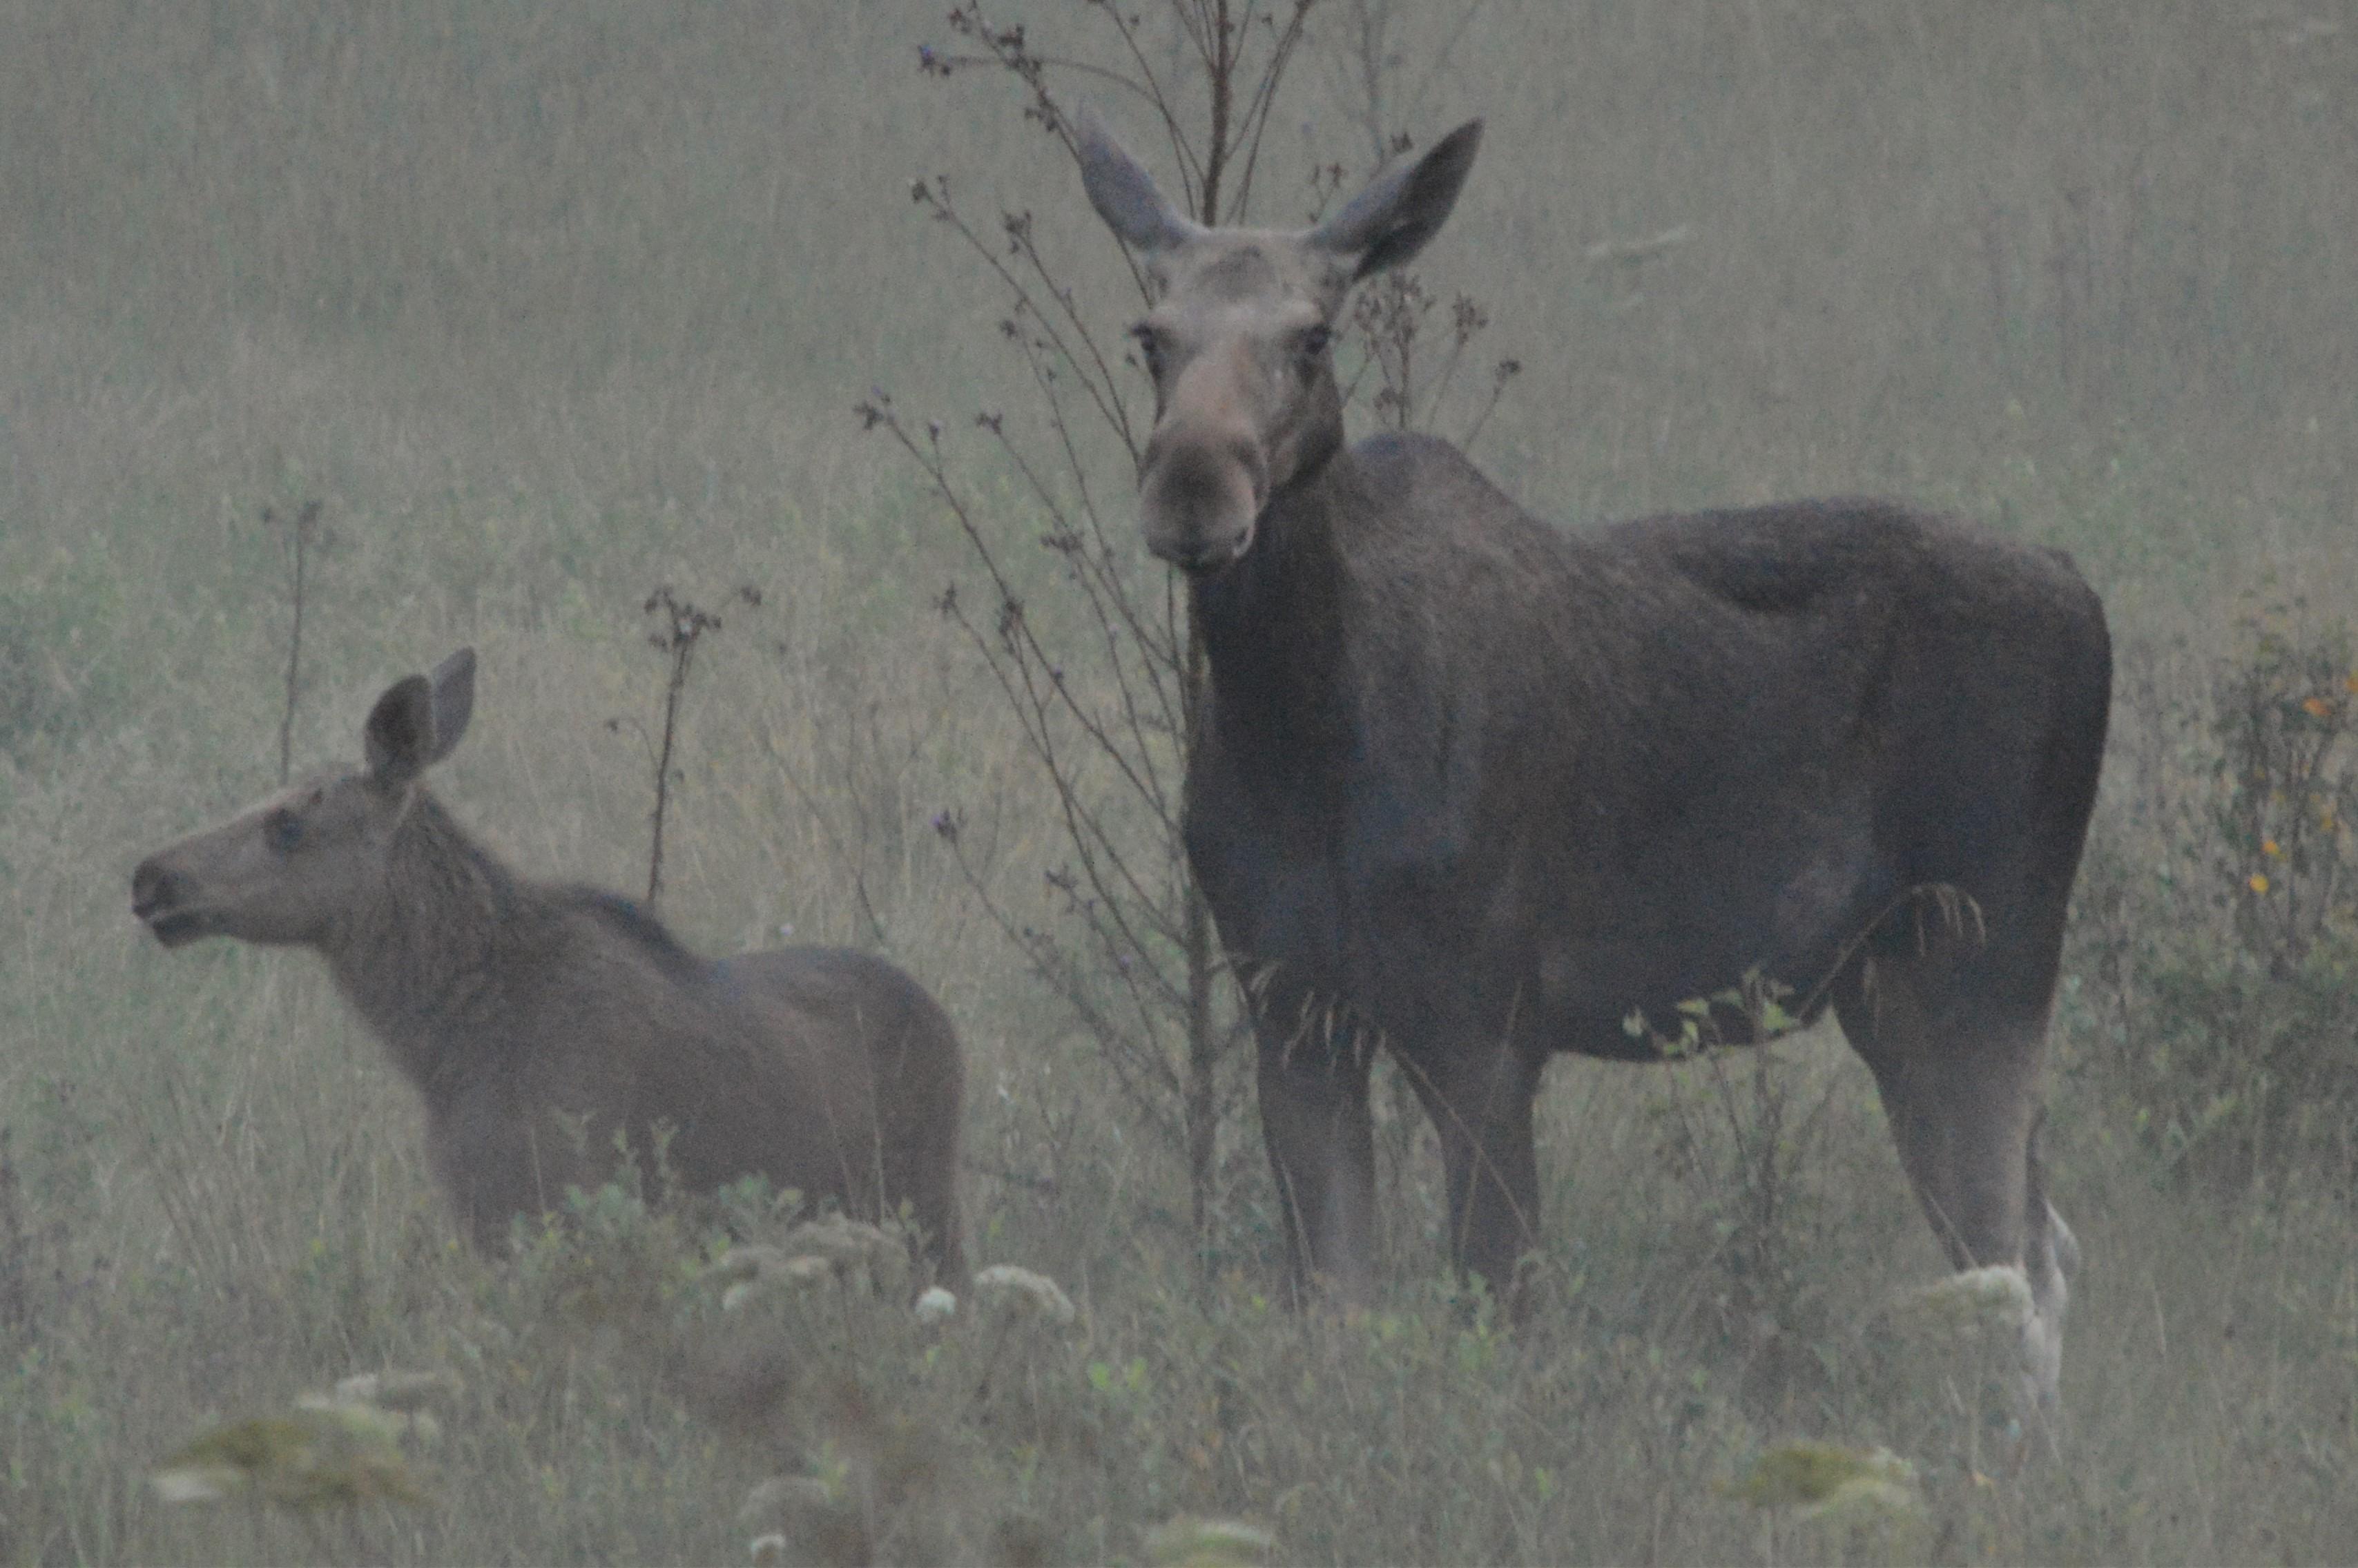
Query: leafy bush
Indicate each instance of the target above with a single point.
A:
(2228, 959)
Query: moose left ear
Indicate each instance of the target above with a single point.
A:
(419, 718)
(1124, 194)
(399, 735)
(1392, 220)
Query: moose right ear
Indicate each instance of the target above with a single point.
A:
(1124, 194)
(400, 730)
(1389, 221)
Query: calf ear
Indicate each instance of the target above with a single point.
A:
(1122, 190)
(400, 730)
(454, 701)
(1390, 220)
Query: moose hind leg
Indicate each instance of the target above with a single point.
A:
(2050, 1257)
(1958, 1075)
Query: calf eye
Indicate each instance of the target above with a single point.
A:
(282, 830)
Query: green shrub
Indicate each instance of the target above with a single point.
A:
(2229, 963)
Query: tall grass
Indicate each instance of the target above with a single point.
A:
(553, 305)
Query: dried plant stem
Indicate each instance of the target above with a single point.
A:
(680, 627)
(302, 532)
(682, 653)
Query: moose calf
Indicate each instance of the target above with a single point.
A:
(526, 1013)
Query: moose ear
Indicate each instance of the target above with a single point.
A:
(1122, 190)
(400, 730)
(1390, 220)
(454, 701)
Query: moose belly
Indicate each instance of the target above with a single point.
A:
(1789, 931)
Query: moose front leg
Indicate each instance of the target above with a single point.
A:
(1313, 1115)
(1481, 1107)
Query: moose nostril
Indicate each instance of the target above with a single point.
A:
(1209, 480)
(153, 887)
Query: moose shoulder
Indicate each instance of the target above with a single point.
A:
(1476, 788)
(540, 1021)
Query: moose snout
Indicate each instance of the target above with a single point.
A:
(160, 898)
(154, 888)
(1201, 497)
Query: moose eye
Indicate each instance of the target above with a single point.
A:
(1309, 351)
(282, 830)
(1150, 347)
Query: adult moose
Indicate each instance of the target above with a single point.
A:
(1477, 788)
(516, 1006)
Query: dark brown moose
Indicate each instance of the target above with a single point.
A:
(1478, 788)
(529, 1014)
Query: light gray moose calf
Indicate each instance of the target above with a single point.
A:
(518, 1007)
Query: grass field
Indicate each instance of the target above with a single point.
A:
(549, 306)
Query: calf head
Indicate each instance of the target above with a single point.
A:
(288, 869)
(1237, 339)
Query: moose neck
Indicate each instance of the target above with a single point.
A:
(416, 961)
(1272, 622)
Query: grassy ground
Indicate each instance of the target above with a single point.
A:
(549, 307)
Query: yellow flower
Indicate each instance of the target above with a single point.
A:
(2270, 847)
(2316, 708)
(2259, 883)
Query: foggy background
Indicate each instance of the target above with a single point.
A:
(550, 305)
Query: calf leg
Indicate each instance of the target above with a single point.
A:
(494, 1162)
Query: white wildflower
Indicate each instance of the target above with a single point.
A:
(851, 1244)
(791, 1274)
(397, 1390)
(841, 1240)
(784, 1498)
(204, 1483)
(1025, 1291)
(747, 1262)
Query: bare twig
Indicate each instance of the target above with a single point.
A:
(679, 627)
(302, 534)
(1107, 703)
